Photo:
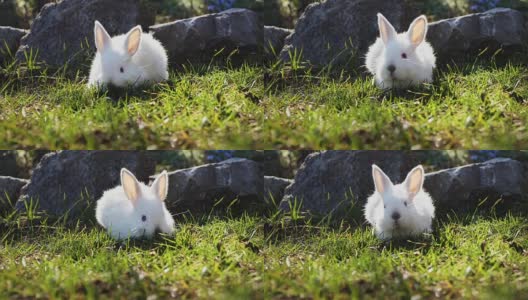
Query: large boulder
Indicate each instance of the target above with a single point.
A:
(197, 190)
(9, 41)
(70, 181)
(274, 39)
(500, 27)
(9, 191)
(461, 189)
(333, 181)
(198, 38)
(336, 31)
(60, 31)
(274, 188)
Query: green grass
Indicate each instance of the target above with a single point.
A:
(258, 258)
(478, 105)
(199, 261)
(204, 108)
(481, 104)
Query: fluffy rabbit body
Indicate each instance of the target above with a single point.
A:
(125, 60)
(134, 209)
(400, 210)
(401, 60)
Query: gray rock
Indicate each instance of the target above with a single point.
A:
(200, 37)
(269, 160)
(462, 188)
(274, 187)
(61, 30)
(70, 181)
(8, 163)
(9, 191)
(333, 181)
(9, 41)
(336, 31)
(500, 27)
(274, 39)
(196, 190)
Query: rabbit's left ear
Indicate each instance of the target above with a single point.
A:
(102, 38)
(161, 185)
(387, 31)
(382, 183)
(417, 30)
(414, 181)
(133, 40)
(130, 185)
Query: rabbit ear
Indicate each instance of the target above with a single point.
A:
(130, 185)
(417, 30)
(102, 38)
(161, 185)
(414, 181)
(381, 181)
(387, 31)
(133, 40)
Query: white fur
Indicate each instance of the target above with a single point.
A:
(415, 217)
(149, 64)
(416, 69)
(120, 210)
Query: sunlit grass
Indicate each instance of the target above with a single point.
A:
(258, 257)
(478, 105)
(482, 104)
(195, 109)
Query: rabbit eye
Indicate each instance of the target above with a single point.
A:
(405, 203)
(404, 55)
(143, 218)
(384, 206)
(121, 70)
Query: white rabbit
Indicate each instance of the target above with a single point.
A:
(401, 60)
(125, 60)
(134, 209)
(400, 210)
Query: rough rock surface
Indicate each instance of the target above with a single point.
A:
(462, 188)
(330, 180)
(9, 191)
(274, 187)
(9, 41)
(500, 27)
(72, 180)
(196, 190)
(202, 36)
(334, 31)
(274, 39)
(60, 31)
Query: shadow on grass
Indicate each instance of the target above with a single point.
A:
(119, 95)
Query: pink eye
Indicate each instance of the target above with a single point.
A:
(404, 55)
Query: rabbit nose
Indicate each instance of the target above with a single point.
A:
(391, 68)
(395, 215)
